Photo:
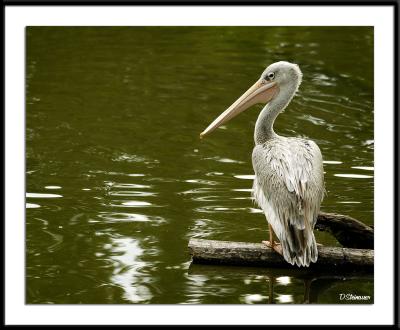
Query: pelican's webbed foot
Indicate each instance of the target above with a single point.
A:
(277, 247)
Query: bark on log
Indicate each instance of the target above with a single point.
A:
(348, 231)
(257, 254)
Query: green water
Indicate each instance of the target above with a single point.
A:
(118, 180)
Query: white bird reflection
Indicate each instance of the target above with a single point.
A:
(127, 265)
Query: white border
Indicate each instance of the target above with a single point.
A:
(381, 312)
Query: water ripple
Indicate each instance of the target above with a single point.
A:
(203, 190)
(32, 206)
(124, 157)
(332, 162)
(131, 204)
(130, 217)
(246, 190)
(132, 193)
(349, 105)
(208, 198)
(323, 80)
(225, 209)
(349, 202)
(245, 176)
(127, 185)
(225, 160)
(117, 173)
(206, 182)
(40, 195)
(58, 241)
(366, 168)
(214, 174)
(354, 176)
(312, 119)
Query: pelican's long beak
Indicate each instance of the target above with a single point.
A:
(260, 92)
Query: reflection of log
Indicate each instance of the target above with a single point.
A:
(304, 273)
(348, 231)
(257, 254)
(316, 281)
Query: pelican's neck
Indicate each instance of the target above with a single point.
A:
(264, 129)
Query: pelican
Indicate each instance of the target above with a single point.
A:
(289, 176)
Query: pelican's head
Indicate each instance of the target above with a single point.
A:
(283, 74)
(279, 76)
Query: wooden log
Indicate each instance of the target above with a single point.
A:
(348, 231)
(257, 254)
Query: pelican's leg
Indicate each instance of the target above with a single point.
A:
(276, 246)
(271, 242)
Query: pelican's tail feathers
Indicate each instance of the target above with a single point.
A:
(299, 246)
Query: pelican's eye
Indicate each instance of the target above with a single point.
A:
(271, 76)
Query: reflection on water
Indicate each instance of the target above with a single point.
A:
(126, 254)
(283, 280)
(284, 298)
(254, 298)
(40, 195)
(355, 176)
(224, 160)
(118, 180)
(129, 217)
(245, 177)
(367, 168)
(332, 162)
(131, 204)
(270, 286)
(32, 205)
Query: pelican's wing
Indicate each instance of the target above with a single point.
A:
(289, 187)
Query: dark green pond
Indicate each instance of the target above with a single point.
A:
(118, 180)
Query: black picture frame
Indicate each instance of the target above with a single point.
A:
(396, 122)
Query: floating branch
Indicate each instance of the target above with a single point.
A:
(257, 254)
(348, 231)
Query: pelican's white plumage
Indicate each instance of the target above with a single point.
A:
(289, 176)
(289, 188)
